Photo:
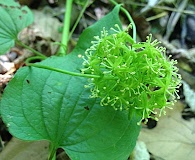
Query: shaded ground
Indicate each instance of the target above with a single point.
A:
(172, 23)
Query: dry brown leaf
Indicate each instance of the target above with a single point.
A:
(22, 150)
(173, 138)
(46, 25)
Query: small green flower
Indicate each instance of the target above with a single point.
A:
(133, 76)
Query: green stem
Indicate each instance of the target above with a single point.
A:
(66, 28)
(79, 17)
(52, 152)
(52, 155)
(31, 49)
(35, 58)
(57, 69)
(129, 17)
(61, 70)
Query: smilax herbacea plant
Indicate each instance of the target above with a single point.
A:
(60, 99)
(133, 76)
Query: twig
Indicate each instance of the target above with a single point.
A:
(189, 54)
(174, 19)
(163, 8)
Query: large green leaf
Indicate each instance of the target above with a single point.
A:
(13, 18)
(42, 104)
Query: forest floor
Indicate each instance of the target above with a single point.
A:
(171, 22)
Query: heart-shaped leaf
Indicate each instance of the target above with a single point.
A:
(13, 18)
(42, 104)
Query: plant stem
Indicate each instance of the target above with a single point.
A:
(129, 17)
(52, 156)
(61, 70)
(79, 17)
(58, 70)
(31, 49)
(52, 152)
(66, 28)
(30, 59)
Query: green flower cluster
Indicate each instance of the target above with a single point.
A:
(133, 76)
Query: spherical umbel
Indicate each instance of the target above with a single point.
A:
(133, 76)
